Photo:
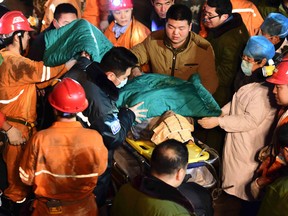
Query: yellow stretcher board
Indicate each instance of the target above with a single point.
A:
(146, 147)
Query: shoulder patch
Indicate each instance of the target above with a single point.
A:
(114, 125)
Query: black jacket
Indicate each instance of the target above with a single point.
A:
(102, 114)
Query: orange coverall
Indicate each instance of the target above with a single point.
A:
(93, 11)
(19, 77)
(63, 163)
(134, 34)
(250, 15)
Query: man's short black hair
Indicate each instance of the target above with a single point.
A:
(118, 60)
(179, 12)
(222, 6)
(63, 9)
(168, 157)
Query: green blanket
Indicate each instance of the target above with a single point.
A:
(161, 93)
(68, 41)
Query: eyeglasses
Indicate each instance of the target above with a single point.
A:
(209, 18)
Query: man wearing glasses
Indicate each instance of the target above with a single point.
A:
(228, 36)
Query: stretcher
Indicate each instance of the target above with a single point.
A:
(133, 157)
(145, 148)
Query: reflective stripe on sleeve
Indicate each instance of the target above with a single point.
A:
(12, 99)
(23, 174)
(65, 176)
(46, 73)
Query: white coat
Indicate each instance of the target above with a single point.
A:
(247, 120)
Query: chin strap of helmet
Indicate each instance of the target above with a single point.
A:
(20, 42)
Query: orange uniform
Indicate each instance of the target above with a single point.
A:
(93, 11)
(134, 34)
(50, 7)
(250, 15)
(63, 163)
(19, 77)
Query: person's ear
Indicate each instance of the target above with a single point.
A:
(56, 24)
(263, 62)
(275, 39)
(180, 174)
(259, 64)
(16, 37)
(190, 26)
(224, 17)
(110, 75)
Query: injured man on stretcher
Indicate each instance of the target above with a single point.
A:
(172, 105)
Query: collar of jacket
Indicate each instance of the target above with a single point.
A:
(235, 22)
(158, 189)
(168, 44)
(96, 75)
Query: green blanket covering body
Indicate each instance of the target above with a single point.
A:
(69, 41)
(161, 93)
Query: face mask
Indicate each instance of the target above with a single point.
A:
(246, 67)
(122, 83)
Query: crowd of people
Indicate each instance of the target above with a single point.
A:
(60, 123)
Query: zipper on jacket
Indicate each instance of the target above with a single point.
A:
(173, 63)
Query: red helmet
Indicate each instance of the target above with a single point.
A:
(68, 96)
(120, 4)
(280, 75)
(14, 21)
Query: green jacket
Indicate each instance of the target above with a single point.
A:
(228, 41)
(265, 8)
(195, 56)
(275, 201)
(130, 201)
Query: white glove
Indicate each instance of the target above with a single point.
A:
(15, 136)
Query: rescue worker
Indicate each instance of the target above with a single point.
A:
(275, 199)
(64, 14)
(19, 78)
(158, 15)
(228, 36)
(247, 126)
(178, 52)
(50, 8)
(274, 160)
(101, 83)
(64, 185)
(275, 29)
(280, 80)
(157, 193)
(250, 15)
(125, 30)
(94, 11)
